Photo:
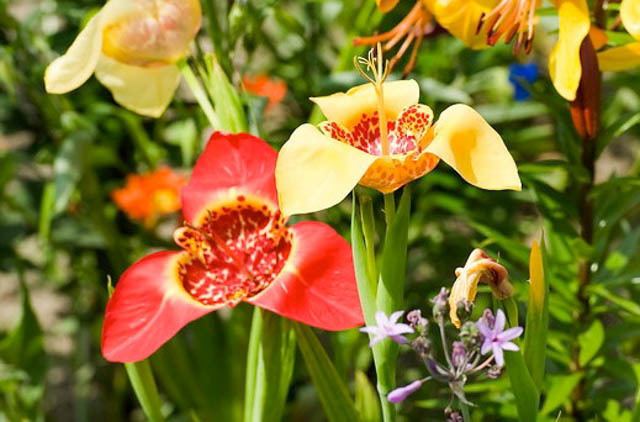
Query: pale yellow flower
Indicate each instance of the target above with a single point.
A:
(132, 47)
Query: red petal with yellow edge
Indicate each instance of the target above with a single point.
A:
(148, 307)
(231, 164)
(317, 285)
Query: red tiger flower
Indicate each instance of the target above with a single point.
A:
(236, 247)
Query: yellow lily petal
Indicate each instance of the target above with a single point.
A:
(315, 172)
(347, 108)
(620, 58)
(630, 15)
(564, 62)
(465, 141)
(71, 70)
(461, 17)
(386, 5)
(144, 90)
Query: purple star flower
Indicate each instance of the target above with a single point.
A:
(388, 327)
(495, 338)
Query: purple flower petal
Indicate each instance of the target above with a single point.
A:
(399, 339)
(394, 317)
(486, 346)
(510, 334)
(498, 355)
(483, 327)
(400, 394)
(500, 322)
(381, 319)
(369, 330)
(507, 345)
(400, 329)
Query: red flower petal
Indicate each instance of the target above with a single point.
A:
(239, 161)
(148, 307)
(317, 285)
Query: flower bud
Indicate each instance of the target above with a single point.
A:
(494, 372)
(440, 303)
(452, 415)
(417, 321)
(470, 335)
(458, 354)
(400, 394)
(422, 346)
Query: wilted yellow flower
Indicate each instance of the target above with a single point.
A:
(132, 47)
(626, 56)
(479, 268)
(378, 135)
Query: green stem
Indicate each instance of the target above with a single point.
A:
(465, 412)
(389, 208)
(368, 229)
(199, 93)
(144, 386)
(252, 364)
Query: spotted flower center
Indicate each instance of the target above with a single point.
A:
(404, 134)
(511, 19)
(158, 33)
(235, 253)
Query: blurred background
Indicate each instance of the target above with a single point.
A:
(62, 236)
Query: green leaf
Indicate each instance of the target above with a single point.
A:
(269, 367)
(144, 385)
(333, 393)
(393, 265)
(560, 388)
(225, 98)
(535, 339)
(23, 346)
(390, 294)
(590, 342)
(68, 168)
(616, 129)
(524, 389)
(366, 399)
(366, 281)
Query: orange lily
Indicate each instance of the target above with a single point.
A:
(378, 135)
(148, 196)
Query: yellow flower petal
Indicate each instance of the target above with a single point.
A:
(630, 15)
(620, 58)
(347, 108)
(144, 90)
(71, 70)
(315, 172)
(465, 141)
(564, 61)
(386, 5)
(461, 17)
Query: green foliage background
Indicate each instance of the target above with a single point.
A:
(61, 237)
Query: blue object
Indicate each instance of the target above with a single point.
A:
(519, 73)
